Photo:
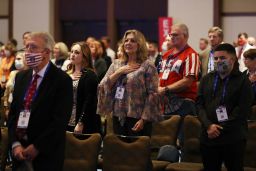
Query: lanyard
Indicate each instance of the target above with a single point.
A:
(224, 89)
(121, 80)
(174, 56)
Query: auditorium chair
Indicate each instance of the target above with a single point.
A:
(164, 133)
(126, 153)
(3, 147)
(191, 159)
(81, 152)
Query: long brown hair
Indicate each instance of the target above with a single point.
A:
(87, 57)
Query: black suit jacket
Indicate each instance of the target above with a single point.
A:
(50, 112)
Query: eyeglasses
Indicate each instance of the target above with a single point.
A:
(32, 48)
(174, 34)
(219, 57)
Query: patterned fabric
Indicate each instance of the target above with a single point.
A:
(184, 64)
(72, 121)
(30, 93)
(140, 96)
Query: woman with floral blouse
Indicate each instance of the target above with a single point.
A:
(129, 89)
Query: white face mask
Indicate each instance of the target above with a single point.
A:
(19, 64)
(7, 53)
(33, 60)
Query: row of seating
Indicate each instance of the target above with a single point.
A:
(122, 153)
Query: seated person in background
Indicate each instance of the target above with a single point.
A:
(224, 102)
(8, 97)
(60, 54)
(250, 63)
(153, 53)
(7, 63)
(243, 45)
(203, 44)
(99, 64)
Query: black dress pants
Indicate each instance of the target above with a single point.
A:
(231, 155)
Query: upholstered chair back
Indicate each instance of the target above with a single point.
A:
(82, 152)
(121, 153)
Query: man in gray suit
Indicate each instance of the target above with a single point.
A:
(215, 35)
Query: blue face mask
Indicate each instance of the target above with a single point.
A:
(222, 67)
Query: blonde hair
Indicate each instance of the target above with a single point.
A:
(63, 49)
(142, 52)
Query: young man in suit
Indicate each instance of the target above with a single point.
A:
(41, 107)
(215, 35)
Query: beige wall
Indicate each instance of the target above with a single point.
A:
(196, 14)
(31, 15)
(4, 30)
(233, 24)
(239, 5)
(37, 15)
(4, 27)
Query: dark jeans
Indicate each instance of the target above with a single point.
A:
(128, 125)
(231, 154)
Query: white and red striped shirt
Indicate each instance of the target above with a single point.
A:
(183, 64)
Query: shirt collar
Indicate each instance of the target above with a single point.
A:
(42, 71)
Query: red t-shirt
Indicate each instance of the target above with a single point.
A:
(182, 64)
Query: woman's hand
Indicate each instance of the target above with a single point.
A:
(79, 128)
(126, 69)
(139, 125)
(76, 75)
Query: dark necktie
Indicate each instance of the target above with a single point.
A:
(240, 53)
(21, 132)
(30, 93)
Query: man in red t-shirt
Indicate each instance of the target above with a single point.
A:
(178, 74)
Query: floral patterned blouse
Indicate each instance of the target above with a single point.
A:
(140, 99)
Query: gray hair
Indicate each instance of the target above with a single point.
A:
(47, 37)
(183, 27)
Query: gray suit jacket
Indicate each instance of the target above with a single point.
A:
(204, 58)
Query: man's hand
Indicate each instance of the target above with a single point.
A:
(161, 90)
(30, 152)
(214, 131)
(18, 152)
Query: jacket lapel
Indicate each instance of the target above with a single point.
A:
(43, 87)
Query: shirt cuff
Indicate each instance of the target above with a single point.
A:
(15, 144)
